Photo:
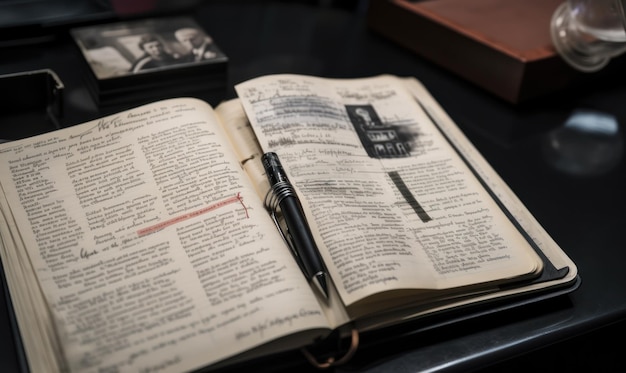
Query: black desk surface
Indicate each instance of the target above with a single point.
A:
(584, 214)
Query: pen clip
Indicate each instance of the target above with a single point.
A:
(273, 197)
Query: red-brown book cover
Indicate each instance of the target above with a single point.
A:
(504, 46)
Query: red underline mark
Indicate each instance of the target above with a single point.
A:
(189, 215)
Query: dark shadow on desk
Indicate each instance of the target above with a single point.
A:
(392, 343)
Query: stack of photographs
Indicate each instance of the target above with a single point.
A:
(144, 60)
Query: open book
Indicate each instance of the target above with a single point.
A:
(140, 241)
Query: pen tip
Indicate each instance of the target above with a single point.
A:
(319, 280)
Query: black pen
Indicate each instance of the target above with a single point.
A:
(297, 228)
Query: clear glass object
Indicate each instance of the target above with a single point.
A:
(588, 33)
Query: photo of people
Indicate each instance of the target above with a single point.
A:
(155, 55)
(199, 45)
(125, 48)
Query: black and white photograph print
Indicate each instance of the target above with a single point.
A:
(380, 140)
(135, 47)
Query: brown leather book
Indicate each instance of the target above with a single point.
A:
(504, 46)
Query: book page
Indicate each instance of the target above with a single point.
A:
(391, 203)
(151, 247)
(244, 142)
(531, 226)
